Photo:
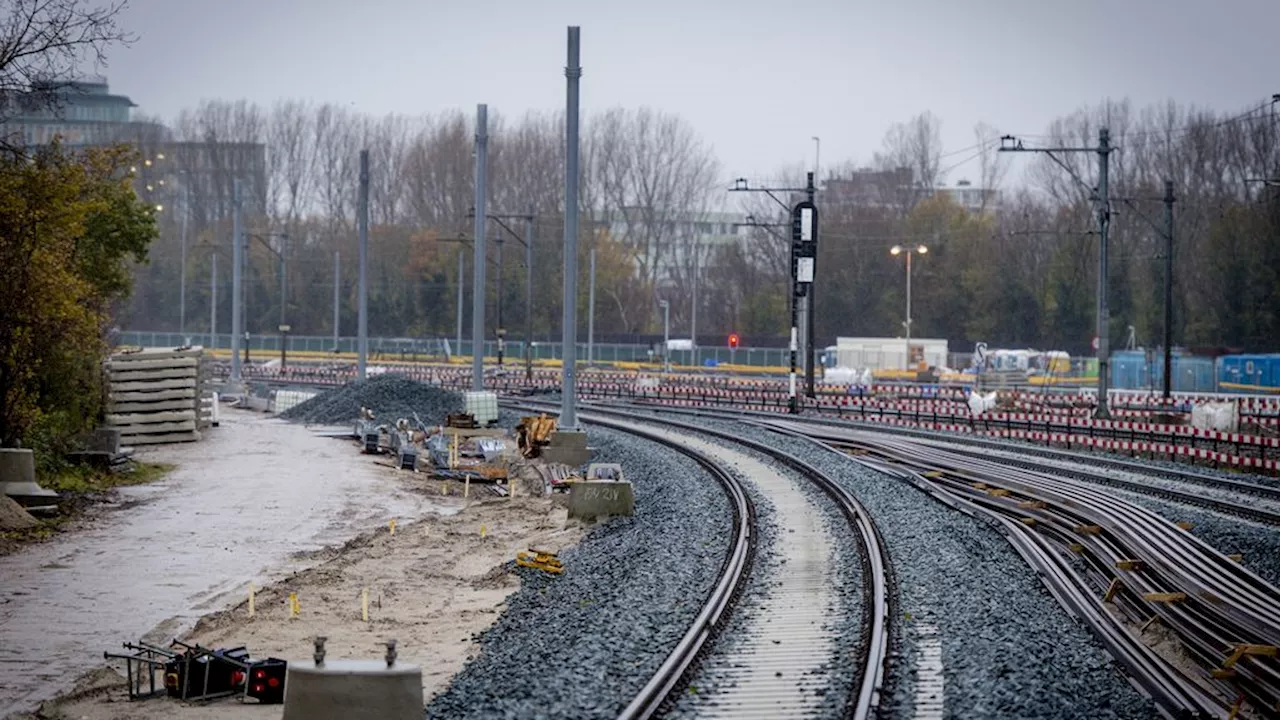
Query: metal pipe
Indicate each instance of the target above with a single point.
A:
(213, 303)
(1168, 289)
(569, 338)
(337, 297)
(237, 260)
(528, 297)
(182, 270)
(362, 220)
(477, 282)
(591, 311)
(461, 281)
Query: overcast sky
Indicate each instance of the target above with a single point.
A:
(757, 79)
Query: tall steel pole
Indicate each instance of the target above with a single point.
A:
(569, 337)
(461, 282)
(1104, 313)
(182, 269)
(1168, 289)
(362, 222)
(666, 336)
(477, 281)
(811, 190)
(906, 362)
(528, 297)
(500, 330)
(337, 297)
(213, 303)
(237, 261)
(591, 309)
(693, 322)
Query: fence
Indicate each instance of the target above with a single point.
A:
(406, 348)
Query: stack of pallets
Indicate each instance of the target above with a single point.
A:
(159, 395)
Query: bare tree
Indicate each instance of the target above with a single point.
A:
(43, 45)
(916, 146)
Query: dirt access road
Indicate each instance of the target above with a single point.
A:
(252, 501)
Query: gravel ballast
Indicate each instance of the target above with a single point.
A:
(582, 644)
(390, 396)
(1008, 648)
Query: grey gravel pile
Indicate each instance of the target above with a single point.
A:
(1008, 648)
(390, 396)
(582, 644)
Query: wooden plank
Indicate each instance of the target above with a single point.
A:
(154, 385)
(143, 396)
(151, 428)
(145, 407)
(119, 376)
(123, 419)
(161, 364)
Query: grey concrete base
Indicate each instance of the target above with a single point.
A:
(18, 478)
(596, 498)
(352, 690)
(567, 447)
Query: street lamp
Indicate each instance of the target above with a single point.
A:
(666, 334)
(909, 251)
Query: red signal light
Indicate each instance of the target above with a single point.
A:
(733, 340)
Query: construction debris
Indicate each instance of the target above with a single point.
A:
(533, 433)
(544, 560)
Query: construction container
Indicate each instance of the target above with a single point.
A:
(1249, 373)
(483, 406)
(1136, 370)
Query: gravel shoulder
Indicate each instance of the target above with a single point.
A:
(587, 640)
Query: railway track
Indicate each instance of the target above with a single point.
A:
(780, 663)
(1255, 513)
(1120, 569)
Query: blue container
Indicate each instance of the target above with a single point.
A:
(1254, 372)
(1133, 370)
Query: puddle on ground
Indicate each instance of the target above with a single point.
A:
(239, 506)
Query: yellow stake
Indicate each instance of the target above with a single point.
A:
(295, 608)
(482, 531)
(466, 488)
(364, 604)
(392, 525)
(250, 599)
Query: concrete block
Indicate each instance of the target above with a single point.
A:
(594, 498)
(352, 690)
(571, 456)
(568, 438)
(18, 478)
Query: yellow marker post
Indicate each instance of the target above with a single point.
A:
(250, 599)
(364, 604)
(482, 531)
(392, 526)
(295, 608)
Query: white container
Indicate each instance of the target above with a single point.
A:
(483, 406)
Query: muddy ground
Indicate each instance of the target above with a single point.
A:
(432, 587)
(266, 502)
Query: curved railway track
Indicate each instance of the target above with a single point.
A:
(821, 428)
(1120, 569)
(794, 611)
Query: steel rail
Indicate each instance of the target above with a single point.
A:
(733, 575)
(878, 605)
(1225, 604)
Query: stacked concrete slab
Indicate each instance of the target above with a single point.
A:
(159, 395)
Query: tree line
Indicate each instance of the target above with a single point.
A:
(1018, 270)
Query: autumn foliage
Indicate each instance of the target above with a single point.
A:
(69, 223)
